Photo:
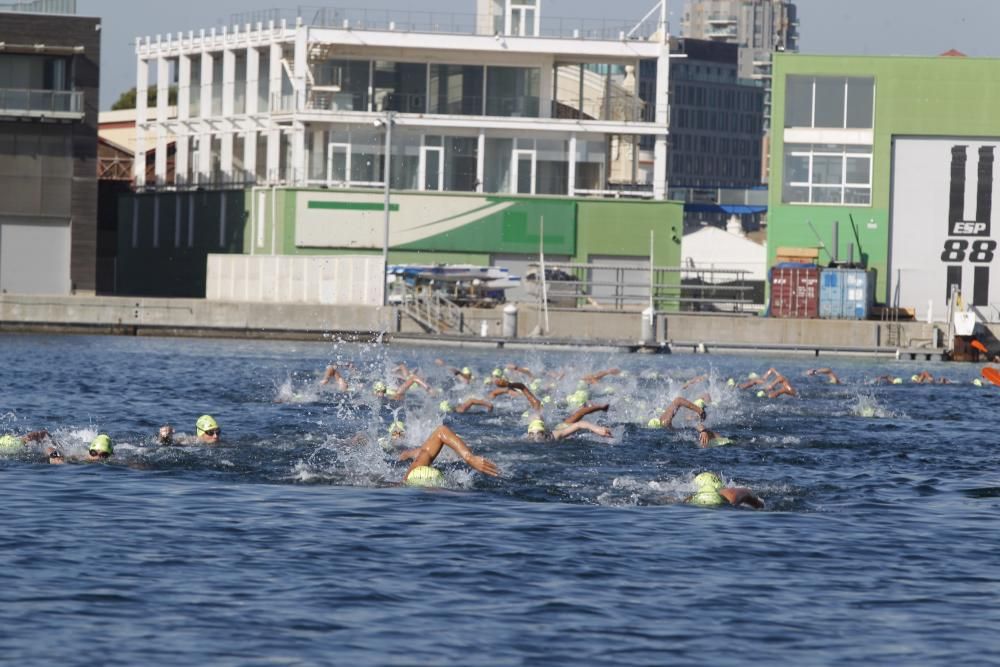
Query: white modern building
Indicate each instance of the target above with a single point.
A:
(505, 103)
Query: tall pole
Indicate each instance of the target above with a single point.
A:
(389, 121)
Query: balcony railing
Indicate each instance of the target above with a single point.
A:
(442, 22)
(619, 108)
(41, 103)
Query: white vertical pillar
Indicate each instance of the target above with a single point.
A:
(204, 129)
(253, 80)
(182, 142)
(162, 99)
(571, 180)
(480, 160)
(546, 86)
(141, 90)
(274, 133)
(297, 168)
(228, 108)
(662, 116)
(250, 155)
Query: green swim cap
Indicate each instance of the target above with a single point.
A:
(424, 476)
(897, 380)
(205, 423)
(761, 393)
(445, 406)
(730, 382)
(536, 426)
(700, 402)
(379, 387)
(707, 498)
(102, 444)
(497, 373)
(752, 376)
(721, 441)
(977, 382)
(466, 371)
(9, 442)
(708, 480)
(397, 427)
(654, 423)
(914, 378)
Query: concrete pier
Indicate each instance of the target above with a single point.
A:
(618, 330)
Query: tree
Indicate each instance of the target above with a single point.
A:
(127, 99)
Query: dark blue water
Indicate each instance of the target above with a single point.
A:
(290, 545)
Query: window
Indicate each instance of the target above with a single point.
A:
(829, 101)
(827, 174)
(456, 89)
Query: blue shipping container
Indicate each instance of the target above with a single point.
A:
(846, 294)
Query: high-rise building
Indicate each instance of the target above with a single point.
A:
(758, 27)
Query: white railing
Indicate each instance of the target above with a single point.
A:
(31, 102)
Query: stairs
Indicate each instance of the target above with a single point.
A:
(432, 311)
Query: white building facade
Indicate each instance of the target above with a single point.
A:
(505, 106)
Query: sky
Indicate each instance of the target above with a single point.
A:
(831, 27)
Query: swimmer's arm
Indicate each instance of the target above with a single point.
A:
(409, 454)
(531, 398)
(741, 496)
(35, 436)
(694, 380)
(445, 435)
(570, 429)
(474, 401)
(584, 411)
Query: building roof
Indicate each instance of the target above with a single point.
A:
(954, 53)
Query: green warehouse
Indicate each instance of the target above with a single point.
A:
(903, 150)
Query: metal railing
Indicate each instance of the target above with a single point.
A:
(41, 6)
(32, 102)
(442, 22)
(577, 286)
(428, 308)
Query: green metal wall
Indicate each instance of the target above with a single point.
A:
(914, 96)
(159, 266)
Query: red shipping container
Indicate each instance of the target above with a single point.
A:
(794, 292)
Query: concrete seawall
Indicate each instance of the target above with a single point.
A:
(683, 332)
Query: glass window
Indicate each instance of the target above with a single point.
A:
(366, 156)
(512, 91)
(798, 101)
(858, 170)
(400, 86)
(829, 105)
(827, 169)
(456, 89)
(351, 76)
(591, 164)
(461, 155)
(797, 168)
(860, 102)
(827, 174)
(553, 167)
(496, 165)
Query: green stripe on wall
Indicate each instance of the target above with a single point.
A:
(352, 206)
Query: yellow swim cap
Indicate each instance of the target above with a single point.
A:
(536, 426)
(761, 393)
(654, 423)
(445, 406)
(707, 498)
(700, 402)
(708, 480)
(752, 376)
(379, 387)
(914, 378)
(102, 445)
(730, 382)
(9, 442)
(466, 371)
(977, 382)
(424, 476)
(897, 380)
(397, 428)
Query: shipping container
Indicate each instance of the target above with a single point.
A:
(846, 294)
(795, 292)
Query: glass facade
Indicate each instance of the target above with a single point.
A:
(827, 174)
(512, 91)
(456, 90)
(829, 102)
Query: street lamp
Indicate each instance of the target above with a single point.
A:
(387, 123)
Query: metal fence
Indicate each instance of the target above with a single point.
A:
(594, 286)
(440, 22)
(29, 102)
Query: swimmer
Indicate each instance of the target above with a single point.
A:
(780, 386)
(888, 379)
(420, 472)
(824, 371)
(514, 368)
(10, 443)
(711, 492)
(753, 379)
(398, 394)
(594, 378)
(207, 432)
(539, 432)
(463, 374)
(101, 448)
(333, 373)
(666, 419)
(707, 438)
(464, 407)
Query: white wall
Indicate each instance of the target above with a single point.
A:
(712, 247)
(339, 280)
(34, 256)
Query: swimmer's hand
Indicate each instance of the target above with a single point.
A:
(483, 465)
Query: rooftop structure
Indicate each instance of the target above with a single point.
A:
(495, 103)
